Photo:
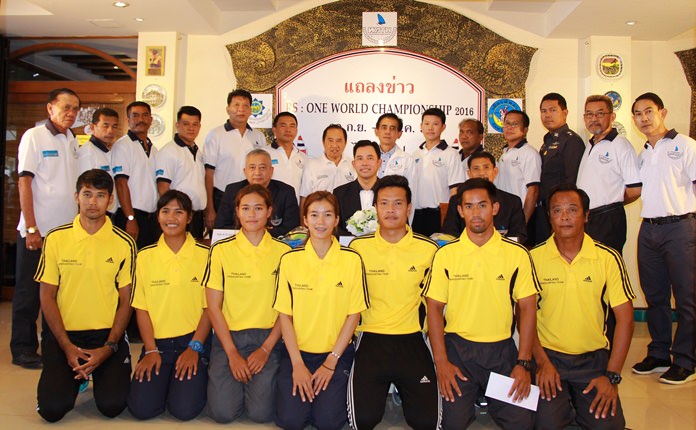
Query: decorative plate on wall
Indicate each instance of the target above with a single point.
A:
(610, 66)
(154, 95)
(615, 99)
(157, 127)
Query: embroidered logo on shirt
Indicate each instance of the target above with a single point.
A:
(588, 279)
(500, 277)
(194, 279)
(605, 159)
(675, 155)
(274, 273)
(117, 169)
(412, 269)
(109, 260)
(395, 165)
(438, 162)
(425, 380)
(340, 284)
(515, 162)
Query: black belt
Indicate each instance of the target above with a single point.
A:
(669, 219)
(606, 208)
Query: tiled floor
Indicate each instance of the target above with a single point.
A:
(648, 405)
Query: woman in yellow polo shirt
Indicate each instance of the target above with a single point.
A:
(240, 286)
(170, 308)
(320, 292)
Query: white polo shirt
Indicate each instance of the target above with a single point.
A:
(518, 169)
(668, 172)
(398, 162)
(321, 174)
(438, 170)
(607, 168)
(129, 160)
(176, 164)
(94, 154)
(50, 157)
(288, 169)
(225, 151)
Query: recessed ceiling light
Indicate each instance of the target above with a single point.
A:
(121, 4)
(115, 67)
(35, 75)
(139, 19)
(631, 22)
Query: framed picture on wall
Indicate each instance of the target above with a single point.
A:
(155, 61)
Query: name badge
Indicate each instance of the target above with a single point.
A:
(49, 153)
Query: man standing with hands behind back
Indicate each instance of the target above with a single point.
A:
(47, 167)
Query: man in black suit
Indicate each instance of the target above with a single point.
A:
(358, 194)
(259, 170)
(510, 218)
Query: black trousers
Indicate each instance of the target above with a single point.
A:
(58, 388)
(405, 360)
(427, 221)
(25, 302)
(148, 227)
(607, 224)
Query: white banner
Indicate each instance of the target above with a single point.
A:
(354, 88)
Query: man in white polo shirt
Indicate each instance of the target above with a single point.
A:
(394, 160)
(520, 165)
(667, 242)
(179, 165)
(47, 167)
(288, 162)
(133, 167)
(608, 174)
(332, 169)
(225, 151)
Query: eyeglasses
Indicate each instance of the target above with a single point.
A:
(598, 115)
(511, 124)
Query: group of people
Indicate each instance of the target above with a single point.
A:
(211, 320)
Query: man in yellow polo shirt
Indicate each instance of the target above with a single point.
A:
(581, 280)
(85, 274)
(481, 276)
(391, 347)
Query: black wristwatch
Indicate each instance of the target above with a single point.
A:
(526, 364)
(614, 378)
(112, 345)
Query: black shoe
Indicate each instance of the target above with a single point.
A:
(28, 360)
(651, 365)
(677, 375)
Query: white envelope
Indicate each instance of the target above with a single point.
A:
(499, 387)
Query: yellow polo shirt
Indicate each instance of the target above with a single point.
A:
(320, 293)
(576, 296)
(246, 274)
(481, 285)
(169, 286)
(395, 274)
(88, 269)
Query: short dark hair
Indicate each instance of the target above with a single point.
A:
(181, 197)
(391, 116)
(525, 117)
(601, 98)
(105, 111)
(365, 142)
(282, 114)
(478, 184)
(563, 187)
(479, 124)
(336, 127)
(480, 154)
(651, 97)
(138, 104)
(254, 189)
(190, 111)
(434, 112)
(96, 178)
(239, 93)
(555, 96)
(53, 95)
(396, 181)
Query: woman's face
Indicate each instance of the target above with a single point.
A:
(173, 219)
(321, 219)
(253, 213)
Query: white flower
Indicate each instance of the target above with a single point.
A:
(362, 222)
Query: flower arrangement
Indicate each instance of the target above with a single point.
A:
(363, 222)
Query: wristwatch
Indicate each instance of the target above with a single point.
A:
(196, 346)
(32, 230)
(526, 364)
(130, 217)
(614, 378)
(112, 345)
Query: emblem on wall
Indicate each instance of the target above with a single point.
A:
(497, 109)
(616, 99)
(610, 66)
(379, 29)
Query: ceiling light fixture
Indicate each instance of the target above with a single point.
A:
(139, 19)
(631, 22)
(121, 4)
